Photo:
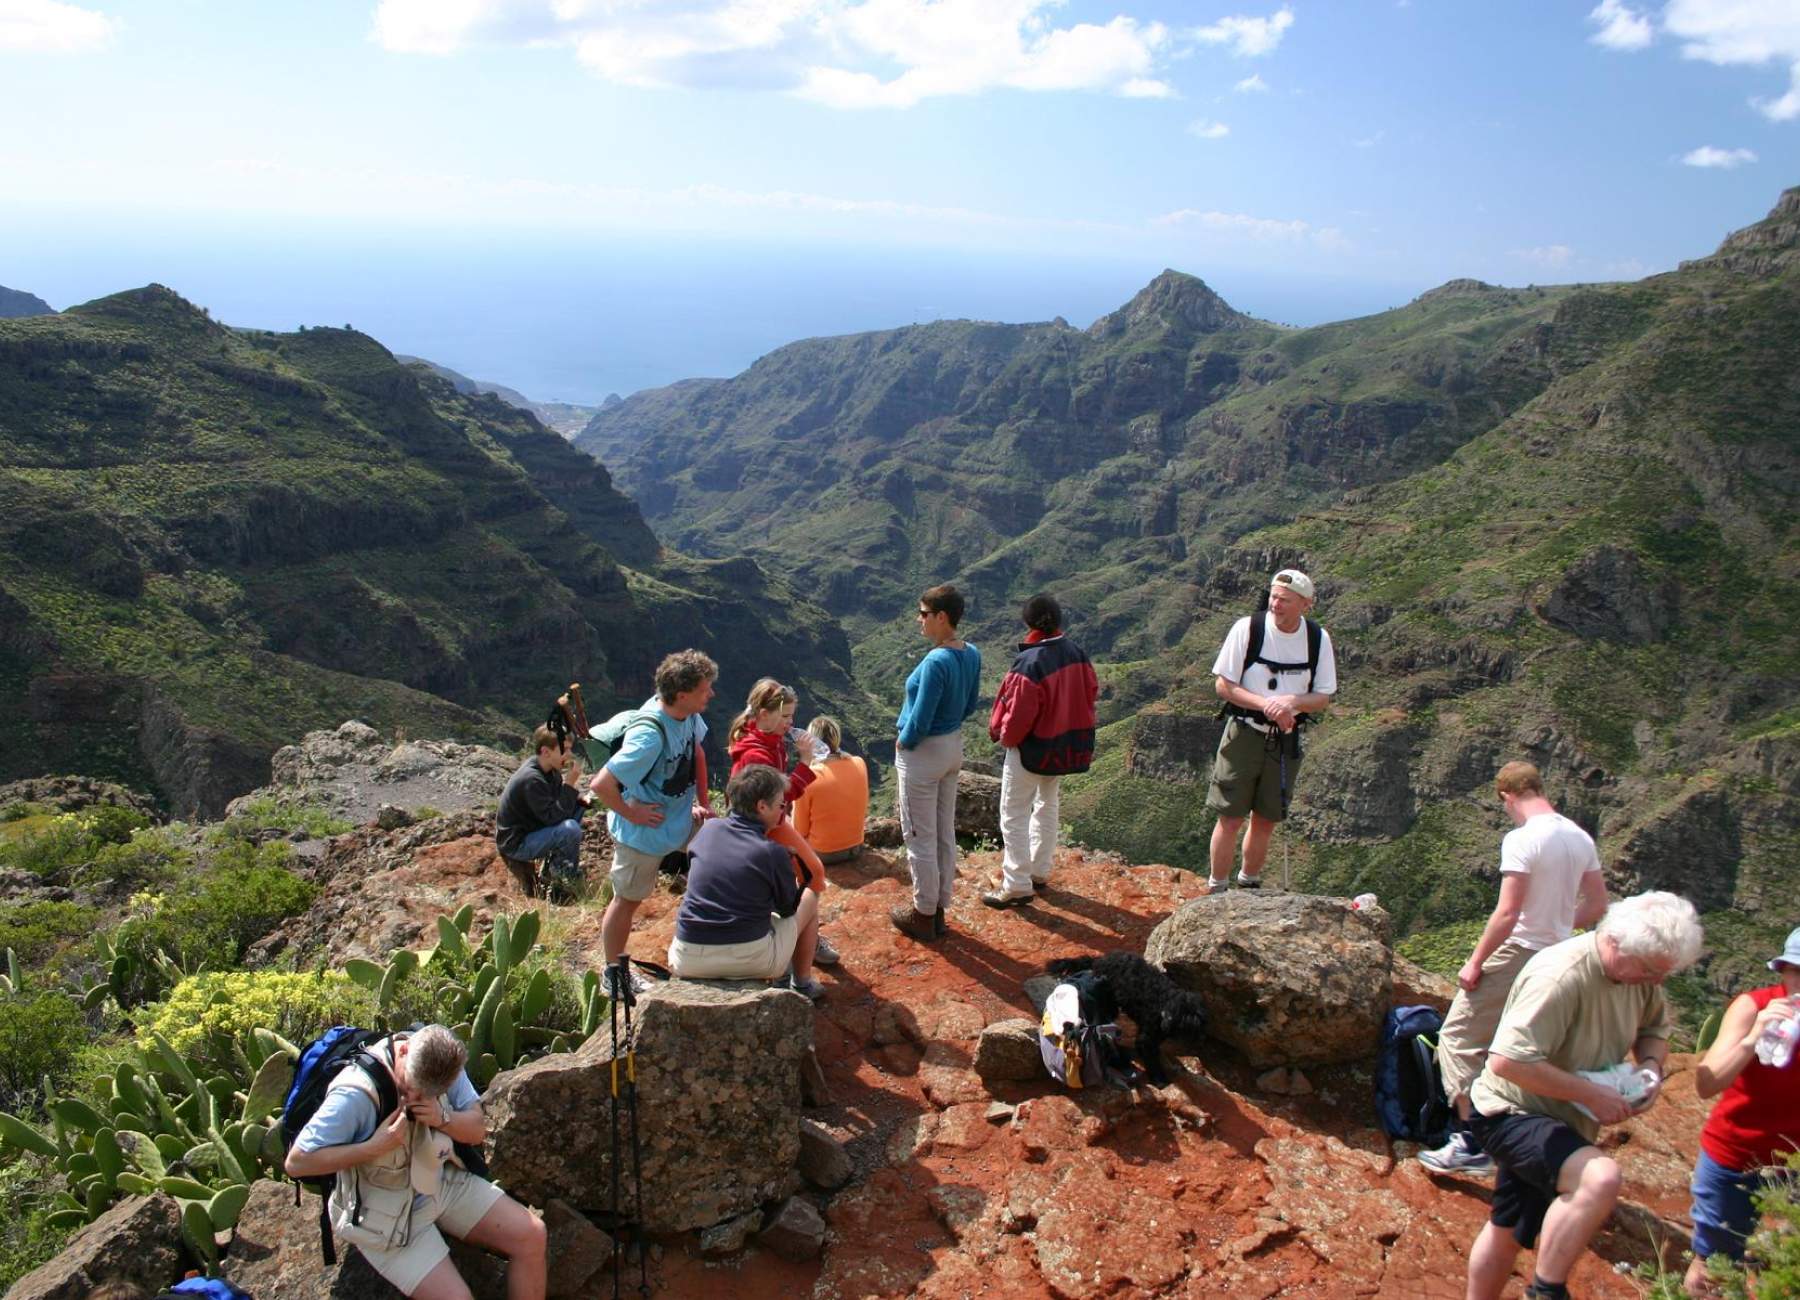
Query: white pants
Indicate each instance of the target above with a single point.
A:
(928, 816)
(1028, 815)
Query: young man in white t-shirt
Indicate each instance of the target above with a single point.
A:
(1550, 886)
(1259, 754)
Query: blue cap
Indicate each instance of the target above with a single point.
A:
(1790, 955)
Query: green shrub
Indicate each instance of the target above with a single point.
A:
(39, 1033)
(38, 931)
(210, 920)
(26, 1238)
(255, 816)
(14, 812)
(1444, 950)
(70, 840)
(152, 856)
(203, 1013)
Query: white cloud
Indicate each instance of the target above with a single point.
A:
(1261, 230)
(1208, 130)
(1370, 141)
(1549, 256)
(1252, 85)
(842, 53)
(1620, 27)
(1247, 37)
(1707, 156)
(1748, 33)
(51, 27)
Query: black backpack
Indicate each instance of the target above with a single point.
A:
(1409, 1090)
(1253, 654)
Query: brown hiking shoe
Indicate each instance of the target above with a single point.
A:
(920, 926)
(525, 873)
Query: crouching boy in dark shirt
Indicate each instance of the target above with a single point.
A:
(743, 916)
(540, 818)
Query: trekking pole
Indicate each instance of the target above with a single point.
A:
(1281, 749)
(637, 1149)
(618, 1264)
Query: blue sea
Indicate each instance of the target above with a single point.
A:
(567, 319)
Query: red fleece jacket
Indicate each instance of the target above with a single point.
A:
(758, 746)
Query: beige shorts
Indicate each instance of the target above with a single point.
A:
(634, 872)
(463, 1200)
(766, 958)
(1469, 1026)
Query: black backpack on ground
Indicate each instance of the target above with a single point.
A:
(1409, 1090)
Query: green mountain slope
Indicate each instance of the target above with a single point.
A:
(16, 302)
(1553, 523)
(217, 539)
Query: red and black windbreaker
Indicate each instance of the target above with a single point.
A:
(1045, 707)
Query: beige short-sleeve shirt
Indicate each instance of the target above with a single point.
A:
(1564, 1011)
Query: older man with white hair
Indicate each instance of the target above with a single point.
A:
(1581, 1044)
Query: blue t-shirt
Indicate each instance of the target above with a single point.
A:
(942, 691)
(347, 1114)
(644, 760)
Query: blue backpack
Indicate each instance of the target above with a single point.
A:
(1409, 1091)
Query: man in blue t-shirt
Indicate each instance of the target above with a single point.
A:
(398, 1190)
(654, 789)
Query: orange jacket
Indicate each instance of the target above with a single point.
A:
(831, 812)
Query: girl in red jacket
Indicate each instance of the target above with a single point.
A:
(759, 735)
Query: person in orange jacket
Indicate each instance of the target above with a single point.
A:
(832, 812)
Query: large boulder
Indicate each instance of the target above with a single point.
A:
(718, 1084)
(138, 1240)
(1288, 979)
(275, 1253)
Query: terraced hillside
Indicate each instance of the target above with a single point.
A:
(1547, 522)
(216, 539)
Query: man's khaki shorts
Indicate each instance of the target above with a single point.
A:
(766, 958)
(463, 1200)
(1469, 1026)
(1246, 775)
(634, 873)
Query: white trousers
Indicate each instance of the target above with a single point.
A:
(1028, 817)
(928, 816)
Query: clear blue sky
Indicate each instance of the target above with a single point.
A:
(993, 158)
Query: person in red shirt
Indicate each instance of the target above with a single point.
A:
(759, 735)
(1756, 1124)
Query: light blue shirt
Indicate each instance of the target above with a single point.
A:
(942, 691)
(347, 1114)
(644, 760)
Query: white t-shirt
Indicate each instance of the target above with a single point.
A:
(1555, 853)
(1283, 647)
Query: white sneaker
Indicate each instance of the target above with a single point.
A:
(1459, 1155)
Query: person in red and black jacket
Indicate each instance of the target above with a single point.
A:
(1044, 717)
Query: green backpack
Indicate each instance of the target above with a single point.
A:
(604, 740)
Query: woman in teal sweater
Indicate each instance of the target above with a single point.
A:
(928, 753)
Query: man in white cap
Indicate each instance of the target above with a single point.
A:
(1275, 670)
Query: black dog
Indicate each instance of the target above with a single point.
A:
(1158, 1008)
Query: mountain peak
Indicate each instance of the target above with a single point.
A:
(1173, 300)
(1460, 288)
(1770, 246)
(15, 303)
(153, 304)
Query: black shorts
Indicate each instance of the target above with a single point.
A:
(1530, 1151)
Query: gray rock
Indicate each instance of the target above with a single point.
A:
(797, 1231)
(1039, 988)
(1690, 845)
(728, 1238)
(1608, 595)
(275, 1253)
(718, 1071)
(354, 772)
(1288, 979)
(138, 1240)
(1171, 745)
(392, 818)
(1356, 785)
(577, 1249)
(1007, 1052)
(823, 1161)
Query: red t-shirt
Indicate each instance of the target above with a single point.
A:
(1756, 1121)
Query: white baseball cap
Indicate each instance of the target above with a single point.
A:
(1295, 581)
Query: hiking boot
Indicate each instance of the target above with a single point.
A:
(1000, 898)
(824, 954)
(809, 987)
(609, 985)
(525, 873)
(1248, 882)
(914, 924)
(940, 922)
(1459, 1155)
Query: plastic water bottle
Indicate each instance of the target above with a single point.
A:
(1362, 902)
(1775, 1046)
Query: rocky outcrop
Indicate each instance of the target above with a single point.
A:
(1690, 846)
(718, 1096)
(1356, 785)
(75, 794)
(1609, 595)
(1288, 979)
(1172, 744)
(138, 1240)
(354, 770)
(1008, 1052)
(275, 1253)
